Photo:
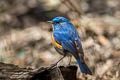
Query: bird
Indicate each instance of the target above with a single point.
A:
(66, 41)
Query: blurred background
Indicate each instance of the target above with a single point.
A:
(25, 36)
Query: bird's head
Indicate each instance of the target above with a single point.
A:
(58, 20)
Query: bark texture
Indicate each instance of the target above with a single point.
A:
(13, 72)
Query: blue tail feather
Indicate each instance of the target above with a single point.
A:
(83, 67)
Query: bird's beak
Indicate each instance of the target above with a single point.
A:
(50, 22)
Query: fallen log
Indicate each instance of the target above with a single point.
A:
(13, 72)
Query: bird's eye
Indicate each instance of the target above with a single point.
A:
(57, 22)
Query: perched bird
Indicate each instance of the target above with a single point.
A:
(66, 41)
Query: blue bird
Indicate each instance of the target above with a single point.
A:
(66, 41)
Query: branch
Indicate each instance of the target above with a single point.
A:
(13, 72)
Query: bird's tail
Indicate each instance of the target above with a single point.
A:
(83, 67)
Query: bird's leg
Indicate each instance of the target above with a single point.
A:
(57, 62)
(70, 57)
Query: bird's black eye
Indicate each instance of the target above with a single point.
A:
(57, 22)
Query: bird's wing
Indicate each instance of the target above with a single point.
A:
(65, 41)
(79, 49)
(65, 36)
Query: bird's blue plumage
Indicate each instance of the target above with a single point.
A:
(66, 35)
(84, 68)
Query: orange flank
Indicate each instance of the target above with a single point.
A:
(55, 43)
